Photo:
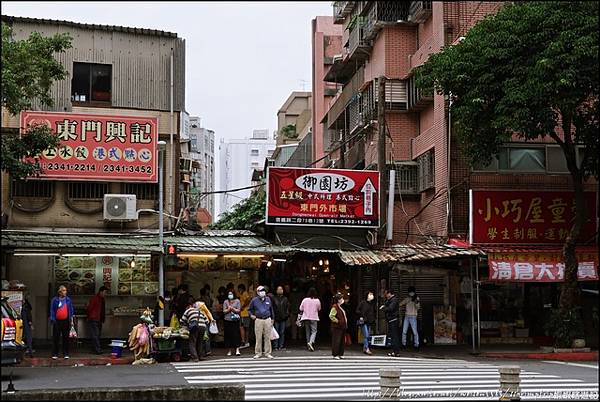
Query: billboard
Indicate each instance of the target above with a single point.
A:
(527, 217)
(322, 197)
(98, 147)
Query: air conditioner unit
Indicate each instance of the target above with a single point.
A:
(120, 207)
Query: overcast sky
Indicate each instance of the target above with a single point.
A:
(242, 58)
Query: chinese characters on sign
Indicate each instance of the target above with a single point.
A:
(322, 197)
(527, 217)
(94, 147)
(539, 267)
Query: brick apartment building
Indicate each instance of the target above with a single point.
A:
(434, 183)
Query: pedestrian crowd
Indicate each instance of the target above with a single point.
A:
(237, 312)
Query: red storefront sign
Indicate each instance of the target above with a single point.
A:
(527, 217)
(322, 197)
(539, 267)
(97, 147)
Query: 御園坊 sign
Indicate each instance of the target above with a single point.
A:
(98, 147)
(322, 197)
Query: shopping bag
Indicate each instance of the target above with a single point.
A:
(299, 320)
(274, 334)
(213, 329)
(72, 332)
(174, 322)
(348, 340)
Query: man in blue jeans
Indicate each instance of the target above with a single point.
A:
(281, 307)
(412, 304)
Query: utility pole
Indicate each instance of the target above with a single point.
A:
(381, 165)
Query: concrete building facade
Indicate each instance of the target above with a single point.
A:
(238, 160)
(202, 153)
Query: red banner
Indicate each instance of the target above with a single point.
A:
(527, 217)
(322, 197)
(96, 147)
(539, 267)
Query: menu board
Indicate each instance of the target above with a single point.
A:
(444, 325)
(78, 274)
(135, 277)
(207, 264)
(83, 276)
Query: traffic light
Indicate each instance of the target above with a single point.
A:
(171, 255)
(171, 249)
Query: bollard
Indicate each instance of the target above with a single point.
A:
(389, 383)
(510, 383)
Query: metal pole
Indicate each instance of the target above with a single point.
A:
(472, 306)
(171, 200)
(161, 263)
(390, 213)
(381, 152)
(478, 316)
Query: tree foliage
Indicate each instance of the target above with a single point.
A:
(244, 215)
(531, 70)
(28, 71)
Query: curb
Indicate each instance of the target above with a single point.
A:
(574, 356)
(98, 361)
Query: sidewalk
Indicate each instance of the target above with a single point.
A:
(82, 355)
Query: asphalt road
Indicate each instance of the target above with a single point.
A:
(165, 374)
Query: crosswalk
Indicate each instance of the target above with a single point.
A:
(357, 378)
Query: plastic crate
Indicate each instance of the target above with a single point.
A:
(165, 344)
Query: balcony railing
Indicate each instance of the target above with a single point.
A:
(418, 98)
(358, 46)
(381, 13)
(341, 9)
(419, 11)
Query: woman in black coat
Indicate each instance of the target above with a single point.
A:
(366, 311)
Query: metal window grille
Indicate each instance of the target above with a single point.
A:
(407, 177)
(32, 189)
(87, 191)
(426, 170)
(142, 191)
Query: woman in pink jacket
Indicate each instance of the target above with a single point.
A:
(309, 308)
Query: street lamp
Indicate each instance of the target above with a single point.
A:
(162, 146)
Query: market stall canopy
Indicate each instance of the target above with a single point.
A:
(220, 242)
(79, 242)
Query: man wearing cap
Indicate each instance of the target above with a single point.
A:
(96, 313)
(261, 311)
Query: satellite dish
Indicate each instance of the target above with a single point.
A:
(116, 207)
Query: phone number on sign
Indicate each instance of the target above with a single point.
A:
(84, 167)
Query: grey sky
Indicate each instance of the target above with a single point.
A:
(242, 58)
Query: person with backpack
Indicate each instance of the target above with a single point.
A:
(196, 323)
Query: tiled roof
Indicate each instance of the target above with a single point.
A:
(142, 31)
(219, 244)
(79, 241)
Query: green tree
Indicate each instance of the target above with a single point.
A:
(530, 70)
(28, 71)
(244, 215)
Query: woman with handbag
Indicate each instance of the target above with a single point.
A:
(232, 337)
(366, 312)
(339, 324)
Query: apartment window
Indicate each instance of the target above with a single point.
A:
(142, 191)
(255, 164)
(91, 82)
(426, 170)
(88, 191)
(522, 159)
(32, 188)
(254, 152)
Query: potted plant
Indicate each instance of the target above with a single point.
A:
(566, 328)
(289, 131)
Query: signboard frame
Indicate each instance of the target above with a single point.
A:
(333, 171)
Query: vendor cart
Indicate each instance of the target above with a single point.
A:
(174, 348)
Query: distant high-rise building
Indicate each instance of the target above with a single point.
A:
(238, 160)
(202, 152)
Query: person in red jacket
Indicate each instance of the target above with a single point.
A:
(95, 317)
